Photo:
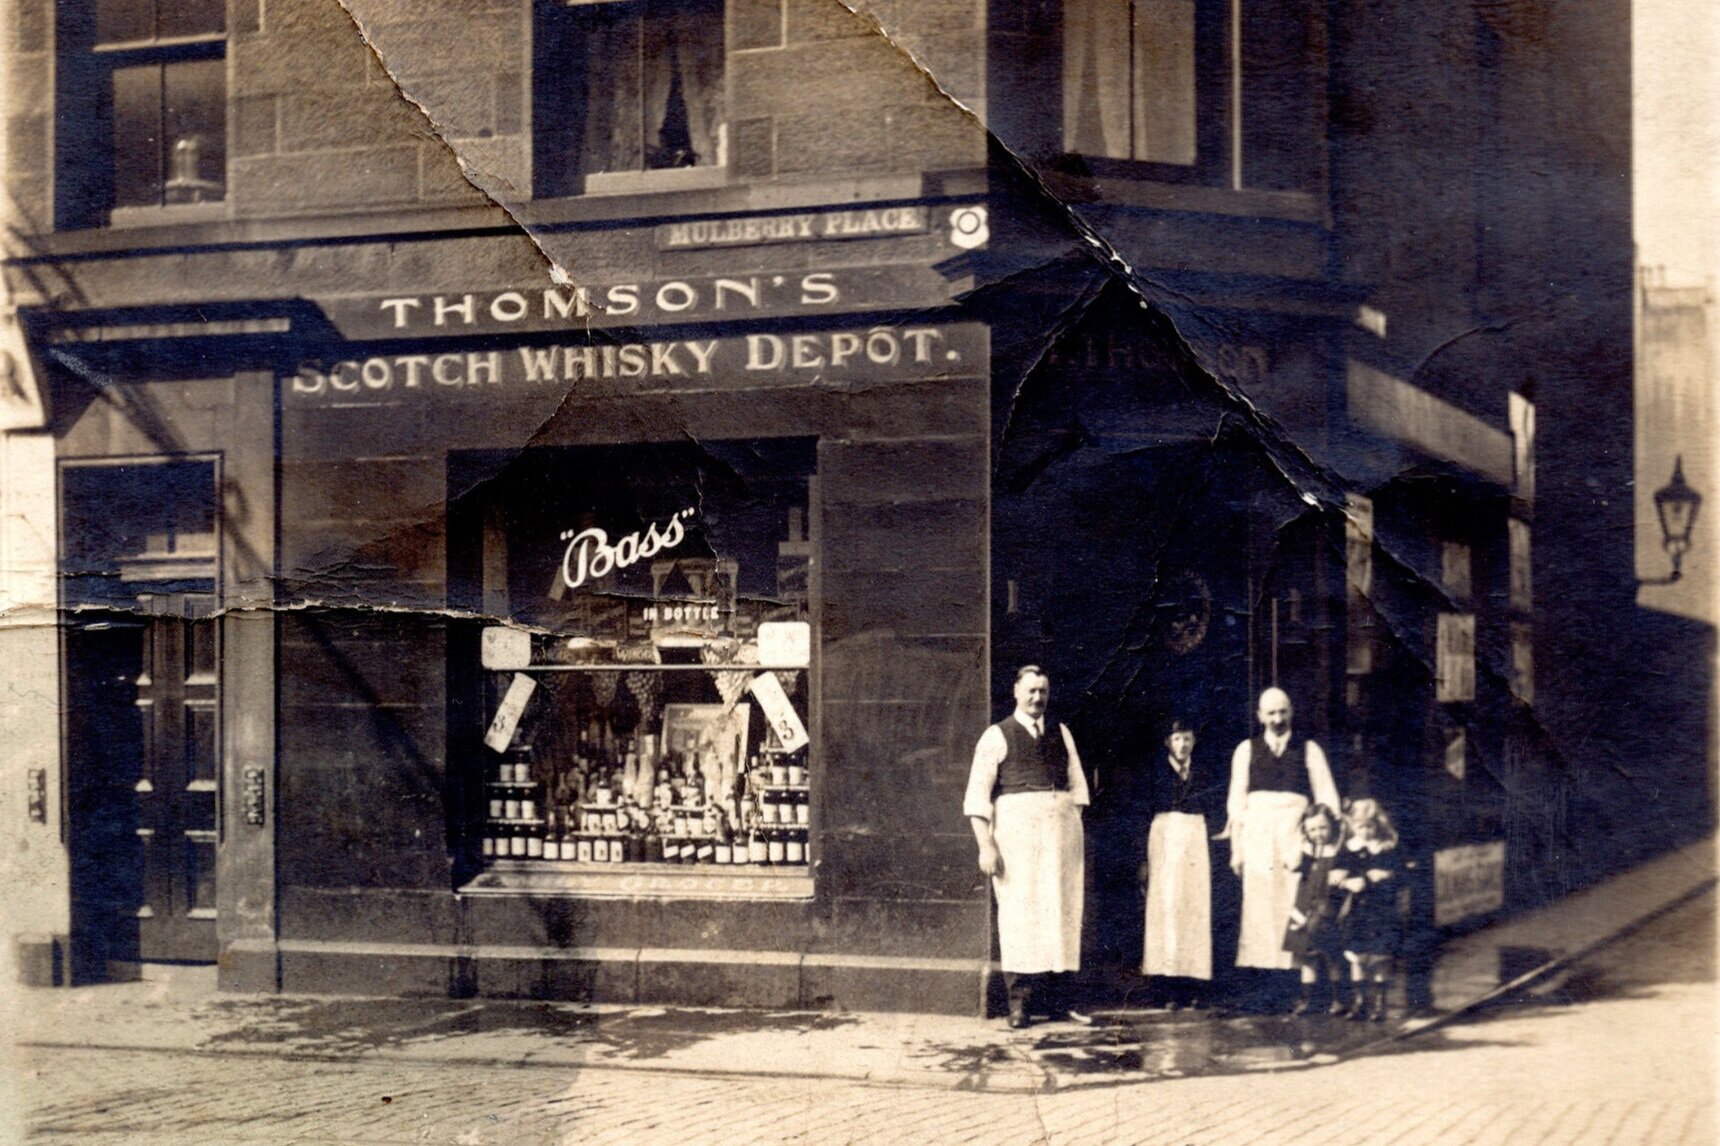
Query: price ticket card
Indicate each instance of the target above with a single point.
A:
(513, 706)
(779, 711)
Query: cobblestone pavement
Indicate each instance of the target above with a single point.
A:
(1621, 1048)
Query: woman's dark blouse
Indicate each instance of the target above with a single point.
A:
(1201, 794)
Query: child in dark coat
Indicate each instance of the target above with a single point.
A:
(1312, 936)
(1371, 879)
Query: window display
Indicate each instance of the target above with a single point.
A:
(647, 697)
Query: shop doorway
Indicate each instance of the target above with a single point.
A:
(142, 656)
(1158, 582)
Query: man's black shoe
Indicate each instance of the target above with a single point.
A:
(1017, 1020)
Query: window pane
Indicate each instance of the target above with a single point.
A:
(1164, 81)
(195, 111)
(121, 21)
(200, 874)
(192, 17)
(137, 136)
(1096, 78)
(200, 742)
(681, 50)
(612, 111)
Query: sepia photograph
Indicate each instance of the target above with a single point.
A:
(849, 571)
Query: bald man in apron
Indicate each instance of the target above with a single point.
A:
(1024, 800)
(1273, 778)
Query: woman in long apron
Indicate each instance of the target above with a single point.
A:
(1177, 876)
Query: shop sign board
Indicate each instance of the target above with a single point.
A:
(1468, 880)
(806, 227)
(636, 302)
(873, 355)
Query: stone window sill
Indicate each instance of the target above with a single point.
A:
(564, 879)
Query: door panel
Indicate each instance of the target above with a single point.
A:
(178, 693)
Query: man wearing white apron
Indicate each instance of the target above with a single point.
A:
(1273, 777)
(1024, 799)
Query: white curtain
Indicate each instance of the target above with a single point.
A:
(1106, 111)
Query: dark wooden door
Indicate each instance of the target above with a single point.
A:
(179, 702)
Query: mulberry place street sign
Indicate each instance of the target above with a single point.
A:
(833, 358)
(636, 302)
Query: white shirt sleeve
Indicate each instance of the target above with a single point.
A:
(1320, 777)
(987, 755)
(1237, 800)
(1077, 776)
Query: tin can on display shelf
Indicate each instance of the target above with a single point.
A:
(707, 852)
(795, 849)
(600, 850)
(487, 847)
(617, 850)
(583, 851)
(758, 850)
(803, 809)
(797, 774)
(497, 809)
(776, 848)
(534, 847)
(516, 845)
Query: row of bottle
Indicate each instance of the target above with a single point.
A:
(775, 846)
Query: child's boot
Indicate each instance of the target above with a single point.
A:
(1304, 999)
(1358, 1010)
(1377, 1009)
(1340, 998)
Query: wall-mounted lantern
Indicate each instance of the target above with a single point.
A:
(1676, 504)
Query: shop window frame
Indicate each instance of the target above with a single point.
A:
(86, 153)
(480, 874)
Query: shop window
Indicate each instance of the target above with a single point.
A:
(1523, 662)
(1521, 413)
(1213, 91)
(1454, 668)
(645, 700)
(143, 108)
(1522, 582)
(627, 94)
(1456, 570)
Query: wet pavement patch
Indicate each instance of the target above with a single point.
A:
(1136, 1047)
(356, 1026)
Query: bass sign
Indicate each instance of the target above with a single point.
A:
(590, 556)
